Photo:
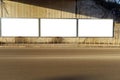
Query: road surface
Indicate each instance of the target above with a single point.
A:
(59, 64)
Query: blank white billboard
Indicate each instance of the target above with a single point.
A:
(95, 28)
(13, 27)
(58, 27)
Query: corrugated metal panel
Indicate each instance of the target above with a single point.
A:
(41, 9)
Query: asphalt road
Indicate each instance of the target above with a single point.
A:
(59, 64)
